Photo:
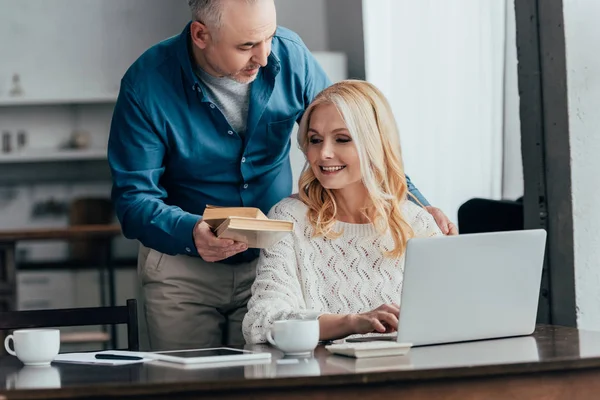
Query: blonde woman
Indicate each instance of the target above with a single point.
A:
(344, 261)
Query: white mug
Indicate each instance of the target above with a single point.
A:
(295, 336)
(34, 347)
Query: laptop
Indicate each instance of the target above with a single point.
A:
(471, 287)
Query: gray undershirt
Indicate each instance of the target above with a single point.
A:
(231, 97)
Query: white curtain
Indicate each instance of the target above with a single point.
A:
(441, 65)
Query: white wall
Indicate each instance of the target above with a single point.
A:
(328, 25)
(63, 49)
(84, 46)
(80, 46)
(308, 18)
(345, 33)
(445, 82)
(512, 169)
(582, 34)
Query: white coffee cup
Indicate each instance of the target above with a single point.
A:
(295, 336)
(34, 347)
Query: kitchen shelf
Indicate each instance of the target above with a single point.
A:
(28, 101)
(52, 155)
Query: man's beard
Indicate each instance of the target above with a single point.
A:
(243, 79)
(238, 76)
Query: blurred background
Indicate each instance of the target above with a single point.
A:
(448, 68)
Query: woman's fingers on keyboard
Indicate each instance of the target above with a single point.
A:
(388, 328)
(384, 319)
(388, 318)
(391, 308)
(378, 326)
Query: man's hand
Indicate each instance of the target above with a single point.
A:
(447, 227)
(211, 248)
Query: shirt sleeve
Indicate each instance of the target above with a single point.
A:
(276, 292)
(136, 155)
(315, 79)
(412, 189)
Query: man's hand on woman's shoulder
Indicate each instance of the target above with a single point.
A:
(445, 225)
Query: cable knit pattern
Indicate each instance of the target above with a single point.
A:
(304, 277)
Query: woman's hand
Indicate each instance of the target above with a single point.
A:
(383, 319)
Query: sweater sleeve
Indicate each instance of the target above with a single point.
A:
(277, 291)
(423, 223)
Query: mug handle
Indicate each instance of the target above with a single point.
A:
(7, 347)
(270, 338)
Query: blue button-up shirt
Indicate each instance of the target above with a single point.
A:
(171, 150)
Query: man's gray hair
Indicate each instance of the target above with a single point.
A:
(209, 12)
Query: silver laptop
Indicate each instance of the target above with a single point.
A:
(471, 287)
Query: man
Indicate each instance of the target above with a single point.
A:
(205, 118)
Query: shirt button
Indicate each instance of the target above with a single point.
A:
(230, 132)
(246, 186)
(188, 249)
(212, 105)
(243, 159)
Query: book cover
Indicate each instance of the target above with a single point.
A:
(248, 225)
(214, 215)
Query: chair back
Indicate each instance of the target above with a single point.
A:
(76, 317)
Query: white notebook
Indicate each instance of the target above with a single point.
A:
(90, 358)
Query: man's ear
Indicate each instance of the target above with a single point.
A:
(200, 34)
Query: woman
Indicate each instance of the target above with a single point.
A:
(344, 261)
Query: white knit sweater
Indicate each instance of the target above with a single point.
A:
(303, 277)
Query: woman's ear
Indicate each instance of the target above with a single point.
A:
(200, 34)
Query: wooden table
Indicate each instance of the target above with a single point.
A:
(8, 265)
(553, 363)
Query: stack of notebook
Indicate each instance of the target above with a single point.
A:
(246, 224)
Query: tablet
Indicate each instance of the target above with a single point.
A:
(212, 355)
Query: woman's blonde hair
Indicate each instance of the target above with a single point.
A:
(371, 125)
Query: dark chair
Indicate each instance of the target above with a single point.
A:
(76, 317)
(484, 215)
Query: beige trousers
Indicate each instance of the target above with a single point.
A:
(190, 303)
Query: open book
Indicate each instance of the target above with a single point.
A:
(246, 224)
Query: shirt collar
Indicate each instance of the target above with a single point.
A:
(183, 51)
